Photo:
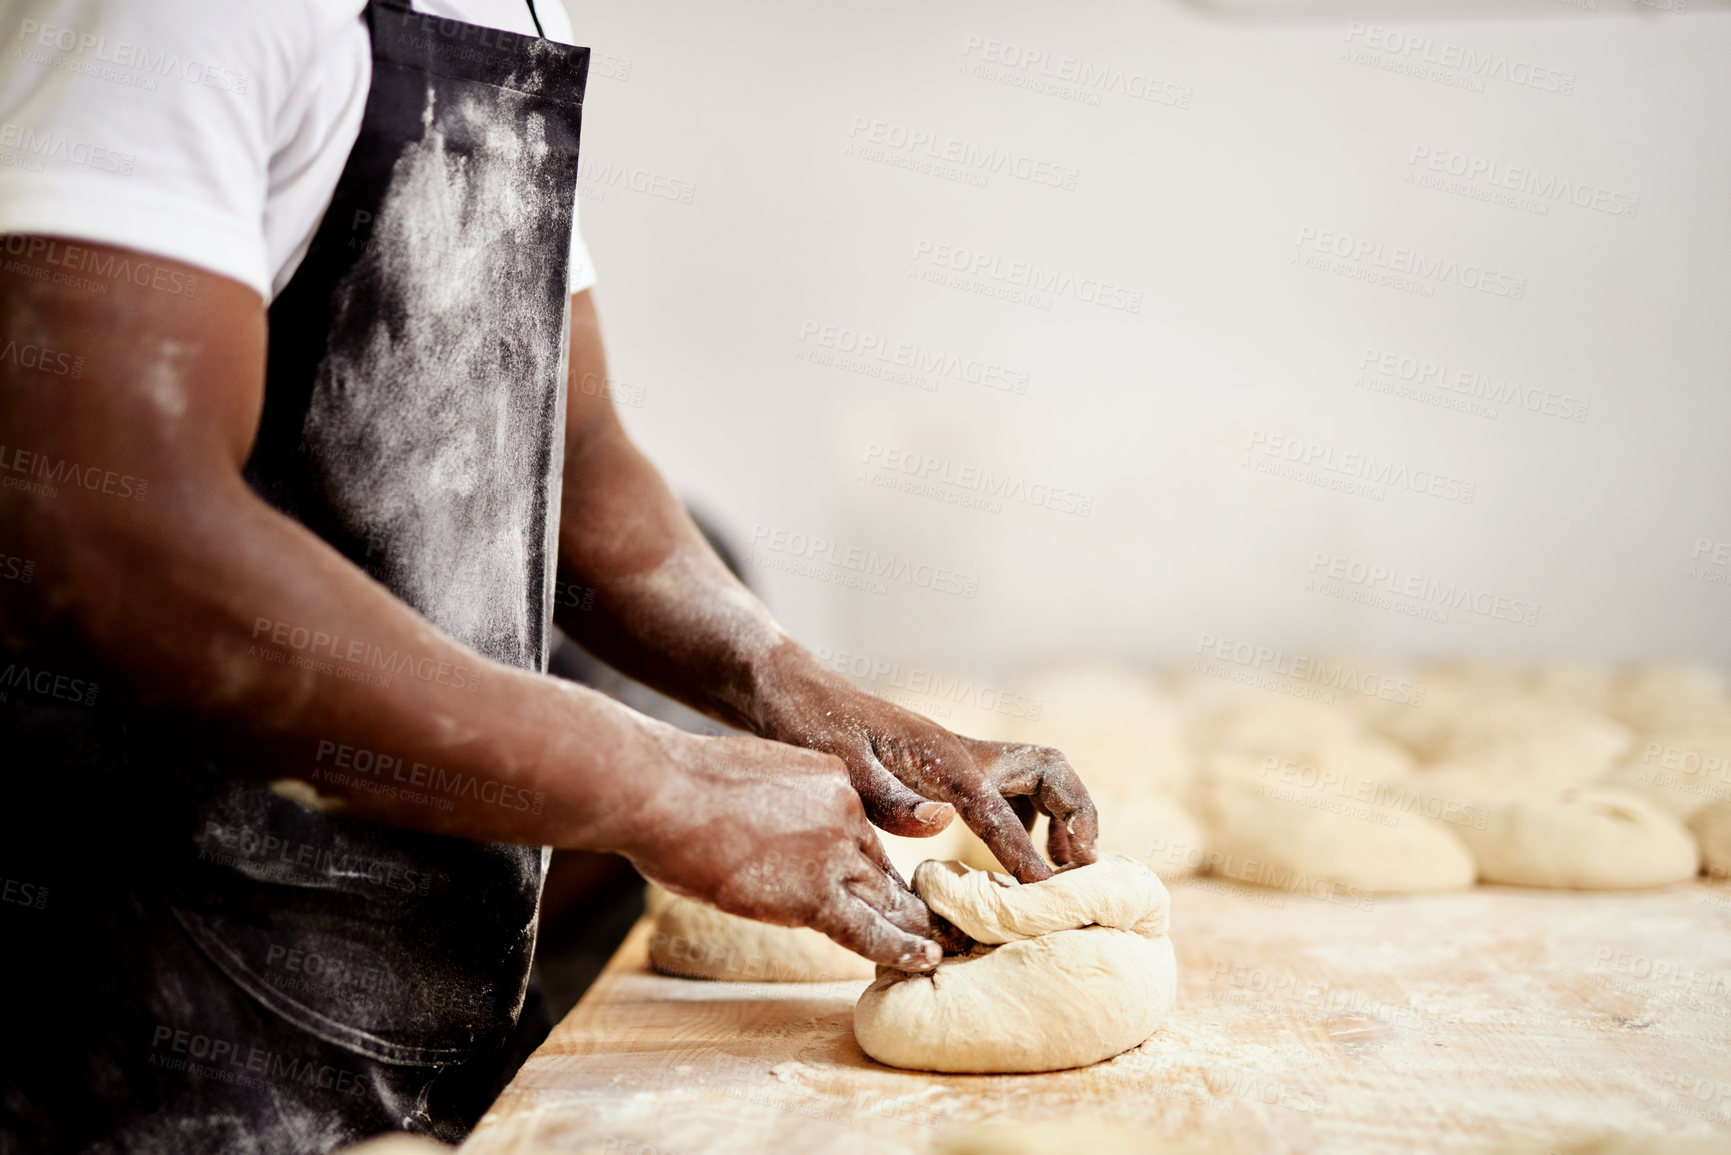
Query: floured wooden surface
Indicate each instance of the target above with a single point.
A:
(1438, 1022)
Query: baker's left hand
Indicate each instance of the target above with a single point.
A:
(913, 775)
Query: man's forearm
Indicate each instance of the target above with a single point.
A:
(279, 649)
(645, 592)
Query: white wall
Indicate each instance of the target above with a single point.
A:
(752, 221)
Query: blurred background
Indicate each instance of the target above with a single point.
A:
(996, 333)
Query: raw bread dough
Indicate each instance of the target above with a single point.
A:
(696, 941)
(1155, 830)
(1668, 695)
(1711, 826)
(1524, 738)
(1595, 837)
(1315, 842)
(1682, 769)
(1084, 972)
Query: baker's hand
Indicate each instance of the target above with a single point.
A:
(772, 832)
(910, 772)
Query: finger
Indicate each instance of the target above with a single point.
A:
(850, 921)
(879, 883)
(1056, 789)
(884, 889)
(1023, 805)
(1075, 822)
(991, 817)
(892, 805)
(1058, 847)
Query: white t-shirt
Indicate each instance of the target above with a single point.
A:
(207, 131)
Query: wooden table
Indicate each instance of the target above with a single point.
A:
(1433, 1023)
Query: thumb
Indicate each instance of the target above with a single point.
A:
(891, 805)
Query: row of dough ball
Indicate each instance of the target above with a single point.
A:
(1559, 775)
(1551, 775)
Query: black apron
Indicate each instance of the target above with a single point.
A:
(266, 977)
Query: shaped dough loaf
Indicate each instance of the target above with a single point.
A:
(1585, 838)
(1711, 826)
(1084, 971)
(695, 941)
(1311, 842)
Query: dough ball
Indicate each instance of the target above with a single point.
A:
(1084, 971)
(1314, 841)
(1665, 695)
(695, 941)
(1595, 837)
(1711, 826)
(1249, 738)
(1682, 768)
(1267, 724)
(1527, 738)
(1111, 722)
(1044, 1004)
(1592, 685)
(1155, 830)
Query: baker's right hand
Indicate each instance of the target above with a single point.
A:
(776, 833)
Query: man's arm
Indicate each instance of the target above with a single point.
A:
(666, 611)
(184, 597)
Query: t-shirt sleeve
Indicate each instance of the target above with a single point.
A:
(582, 270)
(147, 125)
